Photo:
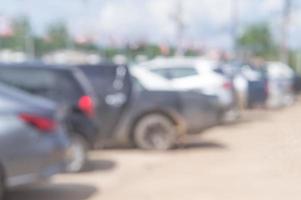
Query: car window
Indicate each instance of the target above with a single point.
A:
(176, 72)
(108, 79)
(30, 80)
(101, 78)
(162, 72)
(182, 72)
(66, 83)
(46, 83)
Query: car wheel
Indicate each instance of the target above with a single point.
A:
(77, 154)
(155, 132)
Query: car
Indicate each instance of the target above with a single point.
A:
(65, 85)
(143, 109)
(33, 143)
(257, 84)
(233, 69)
(198, 73)
(297, 83)
(250, 82)
(280, 85)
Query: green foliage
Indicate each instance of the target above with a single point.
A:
(21, 29)
(58, 37)
(258, 40)
(91, 47)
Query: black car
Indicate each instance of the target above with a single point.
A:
(149, 118)
(65, 85)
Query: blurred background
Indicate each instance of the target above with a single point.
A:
(135, 29)
(199, 99)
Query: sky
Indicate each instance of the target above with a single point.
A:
(207, 22)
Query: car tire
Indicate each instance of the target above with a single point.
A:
(77, 154)
(155, 132)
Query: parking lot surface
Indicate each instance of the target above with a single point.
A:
(257, 158)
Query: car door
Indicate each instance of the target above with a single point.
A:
(197, 110)
(112, 84)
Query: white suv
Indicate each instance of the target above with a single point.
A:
(197, 74)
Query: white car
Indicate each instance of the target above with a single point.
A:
(197, 74)
(151, 81)
(280, 84)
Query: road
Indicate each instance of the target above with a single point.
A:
(256, 159)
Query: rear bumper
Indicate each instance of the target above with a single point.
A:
(52, 161)
(30, 179)
(226, 100)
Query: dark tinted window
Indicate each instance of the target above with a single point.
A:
(176, 72)
(163, 72)
(182, 72)
(58, 85)
(102, 78)
(108, 79)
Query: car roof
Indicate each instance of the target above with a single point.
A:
(43, 65)
(178, 61)
(102, 64)
(37, 65)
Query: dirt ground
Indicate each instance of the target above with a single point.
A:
(256, 159)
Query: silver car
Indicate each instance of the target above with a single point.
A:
(32, 142)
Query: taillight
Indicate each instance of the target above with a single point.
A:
(41, 123)
(227, 85)
(86, 105)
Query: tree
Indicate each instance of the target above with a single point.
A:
(89, 46)
(58, 36)
(258, 40)
(21, 36)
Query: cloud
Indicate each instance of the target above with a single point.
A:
(207, 21)
(151, 19)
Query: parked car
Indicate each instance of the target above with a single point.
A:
(143, 109)
(250, 82)
(198, 73)
(280, 85)
(65, 85)
(297, 83)
(33, 143)
(258, 90)
(234, 71)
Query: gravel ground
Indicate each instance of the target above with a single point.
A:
(256, 159)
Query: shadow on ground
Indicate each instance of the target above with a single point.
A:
(53, 192)
(201, 145)
(100, 165)
(251, 117)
